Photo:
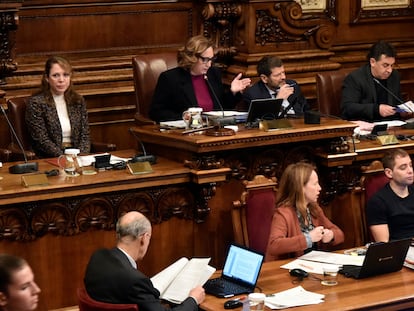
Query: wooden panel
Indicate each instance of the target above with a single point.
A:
(102, 27)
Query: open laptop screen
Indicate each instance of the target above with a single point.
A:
(264, 109)
(243, 264)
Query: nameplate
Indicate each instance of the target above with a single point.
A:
(34, 180)
(277, 124)
(387, 140)
(139, 167)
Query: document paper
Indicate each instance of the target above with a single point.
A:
(176, 281)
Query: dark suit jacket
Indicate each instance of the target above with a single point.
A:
(111, 278)
(43, 124)
(259, 91)
(174, 94)
(359, 95)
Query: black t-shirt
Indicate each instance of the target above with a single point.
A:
(385, 207)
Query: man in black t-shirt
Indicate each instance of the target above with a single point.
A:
(390, 211)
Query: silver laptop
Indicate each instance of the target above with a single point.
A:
(380, 258)
(240, 273)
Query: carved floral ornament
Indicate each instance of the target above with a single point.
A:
(71, 216)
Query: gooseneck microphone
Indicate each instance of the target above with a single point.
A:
(144, 157)
(286, 110)
(23, 168)
(223, 120)
(392, 94)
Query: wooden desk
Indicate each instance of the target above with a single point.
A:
(393, 291)
(187, 146)
(56, 227)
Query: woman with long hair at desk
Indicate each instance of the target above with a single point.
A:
(299, 223)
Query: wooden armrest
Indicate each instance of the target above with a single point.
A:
(141, 120)
(17, 153)
(5, 155)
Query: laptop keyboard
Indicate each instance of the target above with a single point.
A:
(224, 285)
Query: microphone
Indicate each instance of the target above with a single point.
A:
(23, 168)
(144, 157)
(223, 120)
(392, 94)
(286, 110)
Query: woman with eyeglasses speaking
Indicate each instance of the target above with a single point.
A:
(195, 82)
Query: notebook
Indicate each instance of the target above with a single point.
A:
(264, 109)
(380, 258)
(240, 273)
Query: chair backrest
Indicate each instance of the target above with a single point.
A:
(252, 214)
(16, 107)
(329, 91)
(86, 303)
(146, 69)
(373, 179)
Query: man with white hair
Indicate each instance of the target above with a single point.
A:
(112, 275)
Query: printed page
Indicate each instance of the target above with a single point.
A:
(164, 278)
(293, 297)
(196, 272)
(308, 266)
(333, 258)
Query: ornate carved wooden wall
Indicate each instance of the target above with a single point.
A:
(100, 36)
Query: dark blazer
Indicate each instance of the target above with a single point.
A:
(260, 91)
(45, 131)
(359, 95)
(111, 278)
(174, 94)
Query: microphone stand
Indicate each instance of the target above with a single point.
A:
(23, 168)
(219, 130)
(392, 94)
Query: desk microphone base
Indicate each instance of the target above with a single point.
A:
(217, 132)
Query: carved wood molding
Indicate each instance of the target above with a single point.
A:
(219, 22)
(66, 217)
(9, 20)
(286, 23)
(384, 11)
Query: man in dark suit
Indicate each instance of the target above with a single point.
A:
(273, 83)
(364, 94)
(112, 275)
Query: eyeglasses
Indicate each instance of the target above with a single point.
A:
(205, 60)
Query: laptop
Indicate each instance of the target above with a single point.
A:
(264, 109)
(240, 273)
(380, 258)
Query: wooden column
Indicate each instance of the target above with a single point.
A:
(9, 19)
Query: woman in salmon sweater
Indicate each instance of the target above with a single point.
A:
(299, 224)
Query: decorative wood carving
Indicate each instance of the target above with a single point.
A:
(382, 11)
(14, 224)
(9, 19)
(28, 221)
(219, 21)
(288, 24)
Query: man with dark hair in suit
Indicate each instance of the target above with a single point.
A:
(112, 275)
(273, 83)
(364, 94)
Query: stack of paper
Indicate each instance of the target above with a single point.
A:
(409, 259)
(293, 297)
(314, 261)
